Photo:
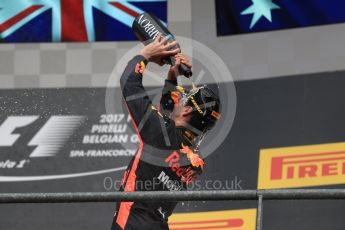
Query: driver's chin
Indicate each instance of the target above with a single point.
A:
(174, 115)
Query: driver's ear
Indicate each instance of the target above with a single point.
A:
(187, 110)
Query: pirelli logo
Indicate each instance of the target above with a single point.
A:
(302, 166)
(221, 220)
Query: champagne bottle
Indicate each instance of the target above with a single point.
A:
(147, 27)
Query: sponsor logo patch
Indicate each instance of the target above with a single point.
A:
(187, 174)
(140, 68)
(302, 166)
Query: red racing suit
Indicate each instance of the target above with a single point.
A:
(164, 160)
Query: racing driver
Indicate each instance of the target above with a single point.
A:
(170, 134)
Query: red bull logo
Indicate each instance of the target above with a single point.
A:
(187, 174)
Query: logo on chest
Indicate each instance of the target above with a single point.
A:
(186, 173)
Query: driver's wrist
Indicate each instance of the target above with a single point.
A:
(172, 75)
(145, 55)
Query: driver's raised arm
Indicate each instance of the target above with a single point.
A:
(136, 98)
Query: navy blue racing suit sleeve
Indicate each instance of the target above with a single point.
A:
(150, 122)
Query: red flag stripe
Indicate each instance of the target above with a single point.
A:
(124, 8)
(72, 21)
(4, 26)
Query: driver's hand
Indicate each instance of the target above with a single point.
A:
(174, 70)
(159, 49)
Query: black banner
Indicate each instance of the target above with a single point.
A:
(271, 113)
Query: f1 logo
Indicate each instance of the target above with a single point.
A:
(9, 125)
(49, 139)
